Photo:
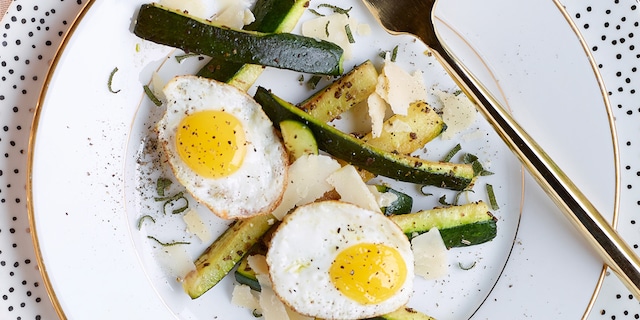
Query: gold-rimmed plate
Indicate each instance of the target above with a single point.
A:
(88, 184)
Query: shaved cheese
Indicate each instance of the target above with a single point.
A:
(364, 29)
(458, 112)
(175, 260)
(384, 199)
(307, 182)
(377, 109)
(196, 226)
(331, 28)
(430, 255)
(272, 307)
(157, 83)
(243, 297)
(231, 13)
(258, 263)
(234, 14)
(398, 88)
(352, 189)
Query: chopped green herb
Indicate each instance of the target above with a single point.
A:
(394, 53)
(478, 169)
(256, 313)
(151, 96)
(347, 29)
(492, 197)
(469, 267)
(141, 220)
(301, 78)
(167, 244)
(335, 9)
(170, 199)
(181, 57)
(316, 12)
(452, 153)
(110, 81)
(313, 82)
(161, 185)
(443, 201)
(326, 28)
(424, 189)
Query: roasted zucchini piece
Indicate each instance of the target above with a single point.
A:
(459, 226)
(352, 150)
(298, 139)
(270, 16)
(225, 252)
(280, 50)
(342, 94)
(407, 133)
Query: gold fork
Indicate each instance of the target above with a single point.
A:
(417, 17)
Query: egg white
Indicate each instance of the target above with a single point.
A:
(257, 186)
(305, 245)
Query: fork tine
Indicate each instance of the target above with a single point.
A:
(412, 11)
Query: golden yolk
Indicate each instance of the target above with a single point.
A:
(211, 143)
(368, 273)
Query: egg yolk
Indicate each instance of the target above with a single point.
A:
(211, 143)
(368, 273)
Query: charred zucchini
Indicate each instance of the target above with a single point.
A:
(352, 150)
(339, 96)
(224, 254)
(459, 226)
(407, 133)
(298, 139)
(281, 50)
(270, 16)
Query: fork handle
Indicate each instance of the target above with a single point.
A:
(615, 252)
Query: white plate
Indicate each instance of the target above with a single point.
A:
(88, 188)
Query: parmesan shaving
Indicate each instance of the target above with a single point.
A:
(430, 255)
(331, 28)
(377, 110)
(272, 307)
(176, 260)
(196, 226)
(352, 189)
(231, 13)
(384, 199)
(458, 112)
(243, 297)
(307, 181)
(399, 88)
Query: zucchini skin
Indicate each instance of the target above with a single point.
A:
(459, 226)
(270, 16)
(352, 150)
(225, 252)
(281, 50)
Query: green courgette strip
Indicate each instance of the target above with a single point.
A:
(270, 16)
(350, 149)
(280, 50)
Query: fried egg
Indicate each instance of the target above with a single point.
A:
(335, 260)
(222, 147)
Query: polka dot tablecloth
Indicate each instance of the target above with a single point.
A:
(33, 29)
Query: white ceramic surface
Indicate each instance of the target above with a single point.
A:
(550, 273)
